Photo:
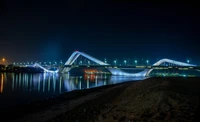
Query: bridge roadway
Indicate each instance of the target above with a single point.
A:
(135, 67)
(113, 69)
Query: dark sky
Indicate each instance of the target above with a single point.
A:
(45, 30)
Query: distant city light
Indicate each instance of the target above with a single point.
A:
(125, 62)
(115, 62)
(135, 62)
(147, 62)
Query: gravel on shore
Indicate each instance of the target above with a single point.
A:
(161, 99)
(151, 100)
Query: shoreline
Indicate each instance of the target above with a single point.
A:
(73, 105)
(154, 99)
(30, 108)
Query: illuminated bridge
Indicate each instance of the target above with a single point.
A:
(114, 70)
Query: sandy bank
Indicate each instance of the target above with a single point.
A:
(48, 109)
(154, 99)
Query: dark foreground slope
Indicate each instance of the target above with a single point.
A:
(154, 99)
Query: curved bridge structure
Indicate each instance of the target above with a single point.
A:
(169, 61)
(114, 71)
(46, 70)
(146, 72)
(76, 54)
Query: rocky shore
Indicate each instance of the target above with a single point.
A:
(151, 100)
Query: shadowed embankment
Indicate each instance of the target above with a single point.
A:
(153, 99)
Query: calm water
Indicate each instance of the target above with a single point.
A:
(20, 88)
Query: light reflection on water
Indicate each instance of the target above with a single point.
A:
(19, 88)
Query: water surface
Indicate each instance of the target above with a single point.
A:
(20, 88)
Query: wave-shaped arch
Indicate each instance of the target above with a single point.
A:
(165, 60)
(71, 60)
(45, 69)
(169, 61)
(114, 71)
(146, 72)
(76, 54)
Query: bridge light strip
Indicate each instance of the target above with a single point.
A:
(117, 71)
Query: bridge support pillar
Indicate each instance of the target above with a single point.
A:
(119, 72)
(66, 69)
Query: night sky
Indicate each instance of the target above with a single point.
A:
(53, 30)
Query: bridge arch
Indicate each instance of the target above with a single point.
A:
(146, 72)
(165, 60)
(76, 54)
(45, 69)
(114, 71)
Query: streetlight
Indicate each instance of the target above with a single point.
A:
(147, 62)
(135, 62)
(3, 59)
(61, 62)
(105, 60)
(80, 62)
(125, 62)
(188, 61)
(89, 62)
(115, 62)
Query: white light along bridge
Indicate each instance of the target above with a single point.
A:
(114, 71)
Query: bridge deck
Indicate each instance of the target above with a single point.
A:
(130, 66)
